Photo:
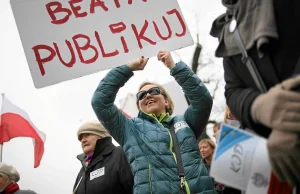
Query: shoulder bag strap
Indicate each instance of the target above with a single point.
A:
(178, 157)
(247, 59)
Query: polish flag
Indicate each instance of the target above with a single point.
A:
(278, 187)
(16, 123)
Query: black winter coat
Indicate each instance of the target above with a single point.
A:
(108, 172)
(279, 63)
(220, 188)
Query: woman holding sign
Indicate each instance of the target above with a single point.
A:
(162, 150)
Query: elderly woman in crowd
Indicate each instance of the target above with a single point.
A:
(9, 177)
(148, 140)
(104, 166)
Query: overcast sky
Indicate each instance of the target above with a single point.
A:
(59, 110)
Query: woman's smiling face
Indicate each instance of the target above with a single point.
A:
(153, 104)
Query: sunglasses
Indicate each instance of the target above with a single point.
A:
(152, 91)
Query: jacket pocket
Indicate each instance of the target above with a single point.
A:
(150, 181)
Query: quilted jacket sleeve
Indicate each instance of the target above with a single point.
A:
(103, 102)
(200, 99)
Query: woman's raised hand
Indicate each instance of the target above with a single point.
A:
(138, 64)
(166, 58)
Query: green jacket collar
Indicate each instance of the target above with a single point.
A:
(160, 119)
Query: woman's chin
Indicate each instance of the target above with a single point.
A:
(151, 110)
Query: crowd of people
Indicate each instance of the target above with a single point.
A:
(160, 152)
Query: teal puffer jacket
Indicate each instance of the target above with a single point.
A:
(147, 142)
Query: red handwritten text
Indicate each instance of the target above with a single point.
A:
(98, 48)
(54, 8)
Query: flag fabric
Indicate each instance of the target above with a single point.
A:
(127, 115)
(16, 123)
(278, 187)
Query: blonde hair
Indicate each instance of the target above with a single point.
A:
(164, 92)
(228, 115)
(217, 125)
(208, 142)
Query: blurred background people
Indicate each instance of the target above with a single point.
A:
(230, 119)
(9, 177)
(216, 130)
(207, 149)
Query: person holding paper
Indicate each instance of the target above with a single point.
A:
(147, 139)
(266, 34)
(105, 168)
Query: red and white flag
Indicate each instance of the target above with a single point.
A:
(16, 123)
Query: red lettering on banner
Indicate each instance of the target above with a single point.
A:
(180, 20)
(84, 48)
(73, 58)
(126, 50)
(104, 54)
(83, 43)
(95, 3)
(130, 1)
(58, 9)
(77, 8)
(41, 61)
(140, 35)
(117, 3)
(117, 28)
(158, 32)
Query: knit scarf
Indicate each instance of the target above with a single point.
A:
(11, 189)
(88, 159)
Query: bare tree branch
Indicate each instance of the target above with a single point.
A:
(216, 88)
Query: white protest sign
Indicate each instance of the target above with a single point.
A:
(232, 159)
(241, 161)
(63, 40)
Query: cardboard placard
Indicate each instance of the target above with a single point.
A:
(63, 40)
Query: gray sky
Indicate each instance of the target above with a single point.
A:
(59, 110)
